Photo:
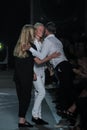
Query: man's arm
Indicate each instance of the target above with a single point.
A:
(53, 55)
(44, 52)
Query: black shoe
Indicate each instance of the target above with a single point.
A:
(39, 121)
(26, 124)
(72, 123)
(42, 121)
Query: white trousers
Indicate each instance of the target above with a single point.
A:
(39, 86)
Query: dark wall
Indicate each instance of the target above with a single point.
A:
(69, 15)
(86, 17)
(13, 15)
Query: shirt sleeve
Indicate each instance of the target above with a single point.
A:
(34, 52)
(44, 52)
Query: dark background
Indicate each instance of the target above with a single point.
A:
(13, 15)
(69, 16)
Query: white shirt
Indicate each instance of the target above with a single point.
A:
(51, 44)
(38, 69)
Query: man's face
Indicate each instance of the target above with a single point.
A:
(46, 32)
(39, 31)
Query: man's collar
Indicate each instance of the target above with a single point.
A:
(50, 35)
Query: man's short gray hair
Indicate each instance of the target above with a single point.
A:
(36, 25)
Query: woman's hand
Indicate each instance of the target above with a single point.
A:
(37, 60)
(25, 47)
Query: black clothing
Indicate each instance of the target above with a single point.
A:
(23, 78)
(66, 92)
(82, 110)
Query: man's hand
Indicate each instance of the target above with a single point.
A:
(55, 54)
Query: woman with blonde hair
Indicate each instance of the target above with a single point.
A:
(23, 75)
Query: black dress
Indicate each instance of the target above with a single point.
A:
(23, 78)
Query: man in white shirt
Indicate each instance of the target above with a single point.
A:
(50, 44)
(61, 65)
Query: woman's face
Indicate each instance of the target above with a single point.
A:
(39, 31)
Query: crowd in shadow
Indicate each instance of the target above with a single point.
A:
(73, 108)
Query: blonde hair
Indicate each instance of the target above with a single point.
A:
(26, 38)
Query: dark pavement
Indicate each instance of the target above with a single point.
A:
(9, 106)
